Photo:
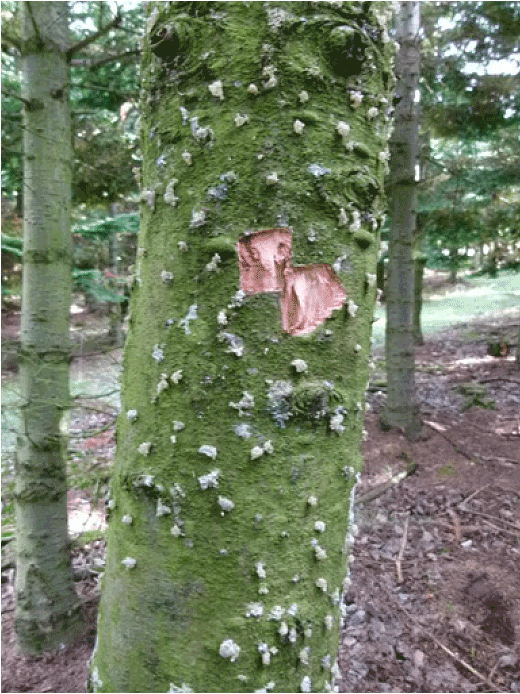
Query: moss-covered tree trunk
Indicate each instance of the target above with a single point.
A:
(401, 407)
(264, 135)
(46, 609)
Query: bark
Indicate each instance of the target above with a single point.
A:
(47, 605)
(401, 407)
(243, 397)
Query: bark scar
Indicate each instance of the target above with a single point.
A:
(308, 293)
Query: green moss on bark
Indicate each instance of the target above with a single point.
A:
(175, 616)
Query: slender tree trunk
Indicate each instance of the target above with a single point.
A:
(419, 265)
(419, 258)
(115, 314)
(401, 407)
(492, 260)
(19, 202)
(481, 259)
(246, 362)
(454, 265)
(381, 276)
(47, 605)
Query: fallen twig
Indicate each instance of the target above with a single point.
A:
(459, 660)
(382, 488)
(494, 459)
(460, 449)
(464, 508)
(508, 490)
(490, 432)
(474, 494)
(489, 380)
(502, 530)
(484, 430)
(436, 427)
(469, 667)
(401, 551)
(493, 669)
(456, 524)
(465, 529)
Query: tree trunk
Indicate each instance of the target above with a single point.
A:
(47, 605)
(492, 260)
(115, 335)
(246, 362)
(454, 265)
(419, 265)
(381, 276)
(19, 201)
(419, 258)
(481, 258)
(401, 407)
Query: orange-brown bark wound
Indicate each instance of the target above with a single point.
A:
(261, 259)
(308, 293)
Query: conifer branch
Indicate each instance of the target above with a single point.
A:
(95, 36)
(29, 103)
(10, 41)
(86, 62)
(34, 22)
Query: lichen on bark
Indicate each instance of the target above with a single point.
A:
(238, 584)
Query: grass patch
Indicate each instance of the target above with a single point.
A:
(86, 537)
(447, 471)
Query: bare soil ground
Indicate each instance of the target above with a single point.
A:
(434, 598)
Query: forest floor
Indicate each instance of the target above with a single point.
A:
(434, 599)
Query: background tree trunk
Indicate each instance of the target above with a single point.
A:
(115, 334)
(419, 265)
(401, 406)
(381, 276)
(47, 605)
(238, 445)
(453, 265)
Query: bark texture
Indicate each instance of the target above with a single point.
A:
(238, 444)
(401, 408)
(46, 609)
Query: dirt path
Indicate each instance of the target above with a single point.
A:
(434, 598)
